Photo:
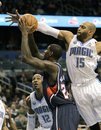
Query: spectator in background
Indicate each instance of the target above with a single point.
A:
(22, 102)
(12, 76)
(9, 123)
(21, 119)
(2, 73)
(14, 109)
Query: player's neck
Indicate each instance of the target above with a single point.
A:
(85, 40)
(38, 95)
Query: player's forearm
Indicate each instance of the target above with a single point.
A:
(33, 47)
(46, 29)
(24, 46)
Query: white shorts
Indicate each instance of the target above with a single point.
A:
(42, 128)
(88, 100)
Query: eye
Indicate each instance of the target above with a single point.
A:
(83, 27)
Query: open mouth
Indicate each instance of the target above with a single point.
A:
(35, 84)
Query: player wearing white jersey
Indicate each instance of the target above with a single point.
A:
(38, 106)
(2, 114)
(81, 61)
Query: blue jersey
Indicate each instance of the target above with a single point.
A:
(63, 108)
(57, 94)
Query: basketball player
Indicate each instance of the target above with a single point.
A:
(81, 61)
(38, 106)
(64, 111)
(2, 114)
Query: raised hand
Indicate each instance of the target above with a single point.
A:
(14, 18)
(23, 27)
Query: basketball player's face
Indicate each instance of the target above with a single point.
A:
(47, 53)
(82, 32)
(37, 80)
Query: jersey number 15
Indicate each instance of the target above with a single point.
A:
(80, 62)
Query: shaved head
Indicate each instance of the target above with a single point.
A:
(86, 31)
(91, 26)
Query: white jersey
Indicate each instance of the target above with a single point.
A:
(81, 60)
(42, 110)
(2, 114)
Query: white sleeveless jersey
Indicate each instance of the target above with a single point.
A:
(2, 114)
(42, 110)
(81, 60)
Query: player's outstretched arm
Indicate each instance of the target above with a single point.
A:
(60, 34)
(26, 52)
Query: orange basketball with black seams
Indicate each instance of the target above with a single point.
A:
(30, 20)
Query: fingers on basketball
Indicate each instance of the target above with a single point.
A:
(31, 21)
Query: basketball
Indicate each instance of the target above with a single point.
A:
(30, 20)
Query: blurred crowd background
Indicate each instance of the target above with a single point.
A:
(54, 7)
(16, 76)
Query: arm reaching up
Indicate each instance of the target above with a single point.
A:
(27, 55)
(33, 47)
(46, 29)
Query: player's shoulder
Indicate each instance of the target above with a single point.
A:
(93, 40)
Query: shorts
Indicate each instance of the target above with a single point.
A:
(88, 99)
(66, 117)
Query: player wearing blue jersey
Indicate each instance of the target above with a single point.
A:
(65, 114)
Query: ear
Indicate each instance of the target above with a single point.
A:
(90, 32)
